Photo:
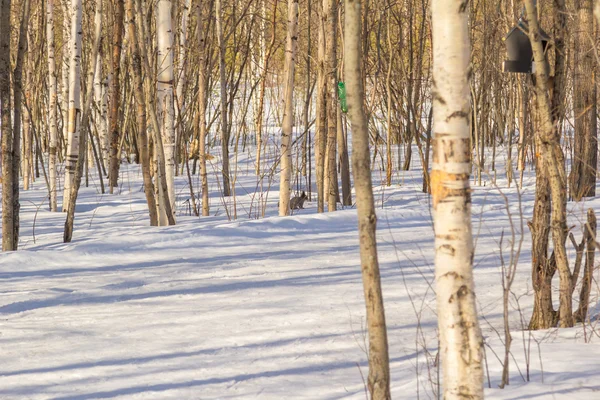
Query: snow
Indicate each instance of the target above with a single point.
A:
(268, 308)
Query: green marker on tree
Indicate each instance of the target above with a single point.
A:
(342, 96)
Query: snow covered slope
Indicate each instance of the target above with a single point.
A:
(269, 308)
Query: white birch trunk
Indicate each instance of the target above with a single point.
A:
(104, 137)
(461, 343)
(84, 130)
(52, 85)
(98, 100)
(66, 61)
(73, 125)
(165, 93)
(288, 115)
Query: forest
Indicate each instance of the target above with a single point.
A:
(309, 199)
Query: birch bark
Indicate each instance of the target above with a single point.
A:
(165, 94)
(73, 125)
(461, 343)
(288, 116)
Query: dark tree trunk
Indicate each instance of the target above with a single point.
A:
(583, 173)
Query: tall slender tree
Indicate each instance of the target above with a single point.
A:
(223, 101)
(17, 115)
(201, 113)
(52, 102)
(74, 123)
(7, 132)
(288, 114)
(461, 343)
(330, 12)
(85, 127)
(585, 154)
(115, 93)
(321, 111)
(165, 93)
(379, 370)
(142, 131)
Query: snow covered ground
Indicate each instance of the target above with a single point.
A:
(268, 308)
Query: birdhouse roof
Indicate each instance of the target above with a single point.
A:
(523, 27)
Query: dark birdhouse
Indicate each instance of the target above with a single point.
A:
(518, 48)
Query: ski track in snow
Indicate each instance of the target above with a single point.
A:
(270, 308)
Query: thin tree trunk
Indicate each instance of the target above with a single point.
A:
(142, 129)
(181, 78)
(330, 11)
(66, 57)
(378, 380)
(104, 137)
(202, 109)
(7, 133)
(321, 110)
(17, 111)
(461, 343)
(166, 109)
(26, 165)
(223, 83)
(52, 103)
(115, 93)
(586, 283)
(82, 147)
(288, 116)
(342, 142)
(584, 164)
(523, 94)
(98, 99)
(165, 215)
(74, 123)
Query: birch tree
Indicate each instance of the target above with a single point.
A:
(115, 93)
(202, 107)
(181, 74)
(85, 117)
(378, 380)
(52, 102)
(17, 78)
(66, 57)
(223, 87)
(288, 115)
(7, 133)
(73, 125)
(165, 93)
(461, 343)
(142, 131)
(98, 98)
